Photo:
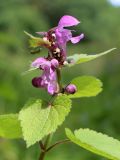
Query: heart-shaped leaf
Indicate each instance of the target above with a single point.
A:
(39, 119)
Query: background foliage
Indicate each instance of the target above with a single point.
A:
(100, 23)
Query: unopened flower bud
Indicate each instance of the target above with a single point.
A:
(36, 82)
(45, 39)
(70, 89)
(65, 63)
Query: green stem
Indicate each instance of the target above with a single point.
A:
(44, 147)
(48, 139)
(41, 145)
(58, 71)
(42, 155)
(57, 143)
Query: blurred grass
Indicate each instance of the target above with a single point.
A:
(101, 33)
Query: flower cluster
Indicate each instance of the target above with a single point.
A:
(48, 79)
(55, 40)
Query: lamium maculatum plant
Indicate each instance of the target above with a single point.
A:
(39, 119)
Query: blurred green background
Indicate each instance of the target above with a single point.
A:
(101, 25)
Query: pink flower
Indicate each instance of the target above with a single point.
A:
(57, 39)
(48, 79)
(64, 35)
(59, 36)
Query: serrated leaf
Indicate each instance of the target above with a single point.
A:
(82, 58)
(87, 86)
(39, 119)
(10, 126)
(95, 142)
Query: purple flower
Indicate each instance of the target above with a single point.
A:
(70, 89)
(55, 40)
(48, 79)
(59, 36)
(64, 35)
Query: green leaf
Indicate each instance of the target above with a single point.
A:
(82, 58)
(38, 119)
(29, 70)
(97, 143)
(10, 126)
(36, 41)
(87, 86)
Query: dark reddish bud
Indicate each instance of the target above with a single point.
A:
(70, 89)
(36, 82)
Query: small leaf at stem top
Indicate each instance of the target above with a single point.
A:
(36, 41)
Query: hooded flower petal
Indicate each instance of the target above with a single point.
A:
(54, 63)
(67, 21)
(63, 36)
(38, 62)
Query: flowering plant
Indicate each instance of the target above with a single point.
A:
(39, 119)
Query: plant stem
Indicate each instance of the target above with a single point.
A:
(42, 155)
(57, 143)
(44, 147)
(41, 145)
(48, 139)
(58, 71)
